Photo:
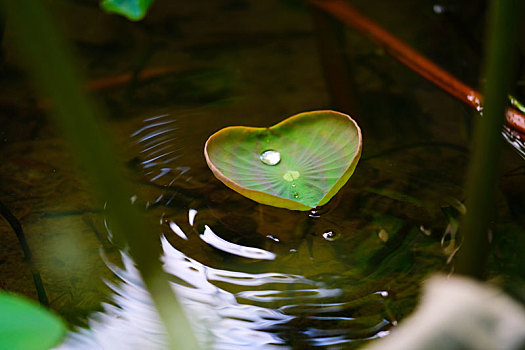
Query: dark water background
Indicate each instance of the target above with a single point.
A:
(343, 276)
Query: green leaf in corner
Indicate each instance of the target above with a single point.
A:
(26, 325)
(133, 10)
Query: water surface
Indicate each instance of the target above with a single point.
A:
(255, 276)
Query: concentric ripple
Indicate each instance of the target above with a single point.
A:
(252, 277)
(231, 309)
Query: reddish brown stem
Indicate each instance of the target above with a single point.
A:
(351, 17)
(115, 81)
(123, 79)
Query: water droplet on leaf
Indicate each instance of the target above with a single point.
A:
(296, 195)
(291, 175)
(270, 157)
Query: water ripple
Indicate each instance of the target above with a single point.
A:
(247, 311)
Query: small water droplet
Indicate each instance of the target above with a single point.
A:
(291, 175)
(294, 185)
(296, 195)
(270, 157)
(314, 213)
(330, 235)
(474, 98)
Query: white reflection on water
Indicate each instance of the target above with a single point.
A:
(248, 252)
(215, 313)
(177, 230)
(247, 311)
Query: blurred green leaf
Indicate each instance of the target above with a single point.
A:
(26, 325)
(133, 10)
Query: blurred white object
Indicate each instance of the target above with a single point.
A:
(459, 313)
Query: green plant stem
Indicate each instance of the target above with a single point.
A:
(55, 74)
(483, 172)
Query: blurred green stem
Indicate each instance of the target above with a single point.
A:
(483, 172)
(55, 74)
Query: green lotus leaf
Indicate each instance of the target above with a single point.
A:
(298, 164)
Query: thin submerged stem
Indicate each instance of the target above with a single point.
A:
(28, 255)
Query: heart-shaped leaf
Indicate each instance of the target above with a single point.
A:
(299, 163)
